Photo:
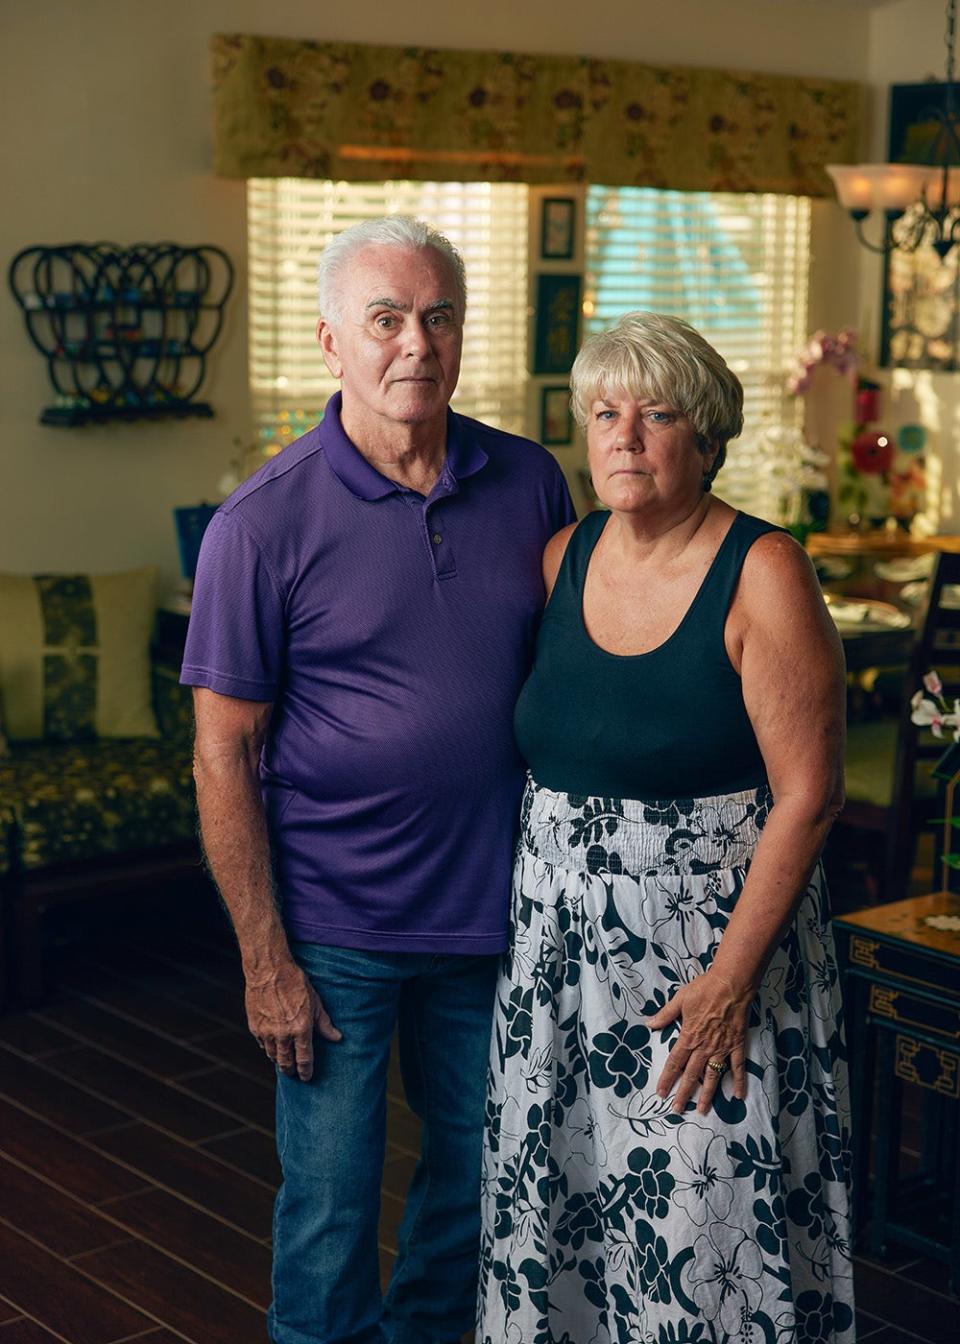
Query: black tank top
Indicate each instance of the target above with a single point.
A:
(670, 723)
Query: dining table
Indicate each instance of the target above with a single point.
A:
(875, 588)
(873, 633)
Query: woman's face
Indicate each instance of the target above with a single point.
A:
(643, 454)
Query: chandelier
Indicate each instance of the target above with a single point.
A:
(921, 201)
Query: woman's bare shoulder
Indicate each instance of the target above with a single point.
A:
(776, 560)
(779, 590)
(553, 555)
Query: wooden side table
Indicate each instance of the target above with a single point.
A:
(901, 964)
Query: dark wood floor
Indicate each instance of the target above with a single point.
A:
(137, 1167)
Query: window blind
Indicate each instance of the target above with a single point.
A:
(736, 267)
(289, 222)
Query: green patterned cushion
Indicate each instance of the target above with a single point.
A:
(75, 655)
(83, 801)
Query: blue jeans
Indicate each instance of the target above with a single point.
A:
(331, 1139)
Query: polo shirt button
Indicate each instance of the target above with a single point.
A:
(436, 538)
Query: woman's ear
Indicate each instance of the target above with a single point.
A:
(709, 452)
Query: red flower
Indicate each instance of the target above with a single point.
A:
(872, 453)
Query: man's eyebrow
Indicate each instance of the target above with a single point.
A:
(389, 303)
(441, 305)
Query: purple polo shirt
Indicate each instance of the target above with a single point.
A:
(393, 634)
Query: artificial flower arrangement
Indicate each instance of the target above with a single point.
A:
(798, 463)
(836, 352)
(879, 474)
(806, 467)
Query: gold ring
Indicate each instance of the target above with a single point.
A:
(719, 1066)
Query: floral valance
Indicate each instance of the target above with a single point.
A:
(339, 110)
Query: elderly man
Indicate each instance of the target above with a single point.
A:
(362, 622)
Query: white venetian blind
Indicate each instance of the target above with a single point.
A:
(289, 222)
(736, 267)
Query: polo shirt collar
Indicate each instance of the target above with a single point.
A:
(465, 456)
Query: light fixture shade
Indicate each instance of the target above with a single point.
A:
(853, 184)
(881, 186)
(935, 187)
(898, 185)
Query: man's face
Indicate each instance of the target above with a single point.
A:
(396, 345)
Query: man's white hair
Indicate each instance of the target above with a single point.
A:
(387, 231)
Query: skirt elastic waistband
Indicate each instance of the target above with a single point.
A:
(642, 839)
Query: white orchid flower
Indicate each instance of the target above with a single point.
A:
(926, 714)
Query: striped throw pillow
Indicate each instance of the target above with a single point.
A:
(75, 655)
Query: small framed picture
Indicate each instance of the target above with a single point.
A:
(556, 418)
(557, 323)
(556, 228)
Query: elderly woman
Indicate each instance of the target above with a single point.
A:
(667, 1152)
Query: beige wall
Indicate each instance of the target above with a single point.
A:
(108, 105)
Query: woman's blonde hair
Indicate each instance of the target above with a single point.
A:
(660, 357)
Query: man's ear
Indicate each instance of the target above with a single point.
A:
(328, 347)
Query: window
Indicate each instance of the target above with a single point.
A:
(736, 267)
(289, 222)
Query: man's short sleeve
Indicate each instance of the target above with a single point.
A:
(562, 504)
(235, 641)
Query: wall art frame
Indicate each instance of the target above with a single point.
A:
(557, 323)
(556, 416)
(558, 215)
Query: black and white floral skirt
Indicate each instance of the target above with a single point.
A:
(607, 1219)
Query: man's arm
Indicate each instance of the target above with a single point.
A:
(283, 1009)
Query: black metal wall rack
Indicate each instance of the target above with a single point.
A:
(125, 331)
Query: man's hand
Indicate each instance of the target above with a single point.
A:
(283, 1011)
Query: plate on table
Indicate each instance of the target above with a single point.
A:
(915, 594)
(868, 616)
(905, 568)
(832, 568)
